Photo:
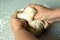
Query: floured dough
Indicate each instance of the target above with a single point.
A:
(28, 14)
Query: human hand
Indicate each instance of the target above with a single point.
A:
(43, 13)
(52, 15)
(17, 23)
(18, 26)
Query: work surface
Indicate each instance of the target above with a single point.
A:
(7, 7)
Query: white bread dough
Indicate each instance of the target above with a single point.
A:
(28, 14)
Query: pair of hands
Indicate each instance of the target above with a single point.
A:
(42, 11)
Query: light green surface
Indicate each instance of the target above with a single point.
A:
(7, 7)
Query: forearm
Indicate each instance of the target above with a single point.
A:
(22, 34)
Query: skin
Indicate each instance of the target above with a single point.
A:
(18, 25)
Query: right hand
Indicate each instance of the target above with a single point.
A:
(43, 12)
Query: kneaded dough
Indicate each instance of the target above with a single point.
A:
(36, 26)
(27, 14)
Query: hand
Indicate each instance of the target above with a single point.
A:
(43, 12)
(17, 23)
(18, 26)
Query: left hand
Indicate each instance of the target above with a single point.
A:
(17, 23)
